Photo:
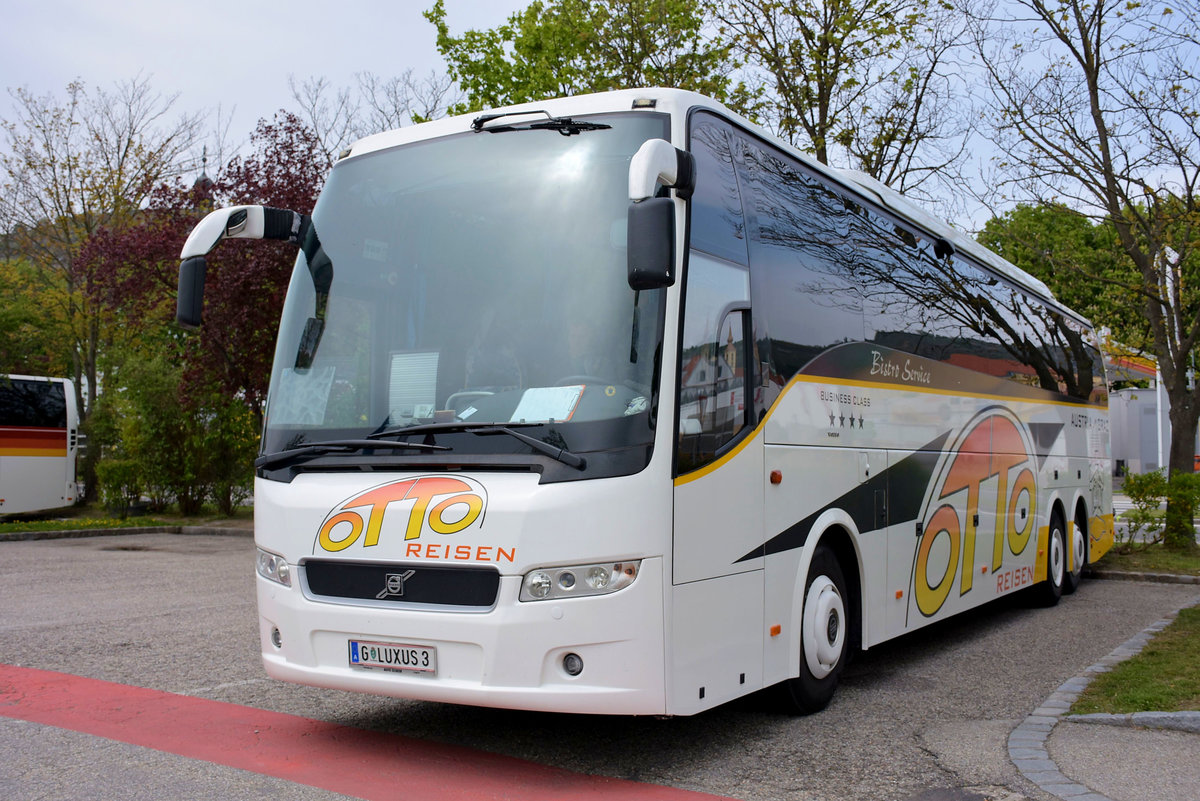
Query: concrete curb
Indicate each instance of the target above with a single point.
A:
(1126, 575)
(1171, 721)
(1027, 742)
(68, 534)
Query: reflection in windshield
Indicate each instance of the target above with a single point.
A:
(477, 278)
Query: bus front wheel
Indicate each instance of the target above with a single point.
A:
(823, 641)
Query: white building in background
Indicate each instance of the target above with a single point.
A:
(1140, 418)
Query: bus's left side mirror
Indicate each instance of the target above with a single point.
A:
(190, 301)
(652, 243)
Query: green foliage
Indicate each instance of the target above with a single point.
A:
(120, 487)
(229, 442)
(1147, 526)
(832, 74)
(33, 333)
(1081, 261)
(175, 448)
(1144, 520)
(566, 47)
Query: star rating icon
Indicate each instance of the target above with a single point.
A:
(839, 421)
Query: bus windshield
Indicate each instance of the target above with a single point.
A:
(474, 279)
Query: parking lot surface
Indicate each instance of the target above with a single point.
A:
(927, 716)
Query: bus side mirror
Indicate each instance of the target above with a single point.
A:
(189, 303)
(652, 243)
(235, 222)
(652, 219)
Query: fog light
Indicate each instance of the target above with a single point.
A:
(276, 637)
(566, 580)
(573, 664)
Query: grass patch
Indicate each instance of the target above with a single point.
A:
(95, 516)
(1152, 559)
(1164, 677)
(80, 523)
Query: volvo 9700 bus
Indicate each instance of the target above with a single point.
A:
(618, 404)
(39, 439)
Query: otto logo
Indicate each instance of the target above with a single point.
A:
(986, 491)
(440, 504)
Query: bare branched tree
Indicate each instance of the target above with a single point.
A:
(74, 165)
(339, 116)
(1094, 104)
(873, 85)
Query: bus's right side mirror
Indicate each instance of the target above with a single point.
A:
(652, 243)
(652, 218)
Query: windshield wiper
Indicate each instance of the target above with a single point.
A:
(553, 451)
(564, 125)
(268, 460)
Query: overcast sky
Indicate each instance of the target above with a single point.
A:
(236, 54)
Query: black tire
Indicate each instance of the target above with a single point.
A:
(824, 637)
(1049, 591)
(1079, 547)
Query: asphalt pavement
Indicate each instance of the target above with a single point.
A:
(1057, 756)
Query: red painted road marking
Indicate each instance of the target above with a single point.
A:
(355, 762)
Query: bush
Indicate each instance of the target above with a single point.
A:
(120, 487)
(1147, 524)
(185, 449)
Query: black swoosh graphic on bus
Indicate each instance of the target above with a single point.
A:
(907, 480)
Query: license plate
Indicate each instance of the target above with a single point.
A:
(393, 656)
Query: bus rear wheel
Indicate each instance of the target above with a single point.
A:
(1049, 591)
(823, 637)
(1079, 553)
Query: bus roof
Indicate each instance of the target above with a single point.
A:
(678, 103)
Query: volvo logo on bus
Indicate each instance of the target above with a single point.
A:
(394, 584)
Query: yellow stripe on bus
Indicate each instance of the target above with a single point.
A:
(852, 382)
(60, 452)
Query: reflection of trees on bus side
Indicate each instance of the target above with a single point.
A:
(880, 276)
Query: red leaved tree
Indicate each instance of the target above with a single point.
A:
(246, 280)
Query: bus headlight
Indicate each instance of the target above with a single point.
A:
(577, 581)
(273, 568)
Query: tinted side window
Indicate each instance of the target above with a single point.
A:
(713, 368)
(717, 224)
(806, 293)
(951, 311)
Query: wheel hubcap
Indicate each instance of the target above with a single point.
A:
(824, 632)
(1057, 556)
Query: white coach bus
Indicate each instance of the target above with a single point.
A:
(617, 404)
(39, 440)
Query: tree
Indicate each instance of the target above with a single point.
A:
(1080, 260)
(868, 84)
(338, 117)
(73, 166)
(184, 425)
(1093, 104)
(246, 280)
(568, 47)
(32, 332)
(136, 265)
